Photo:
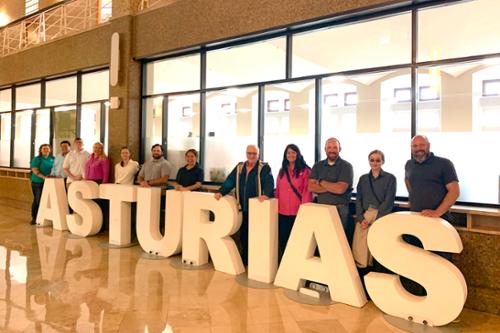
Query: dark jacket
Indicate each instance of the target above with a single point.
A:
(248, 185)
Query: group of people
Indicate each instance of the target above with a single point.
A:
(77, 164)
(431, 181)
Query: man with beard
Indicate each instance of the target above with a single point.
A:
(331, 179)
(431, 181)
(156, 171)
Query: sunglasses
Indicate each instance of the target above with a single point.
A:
(251, 153)
(374, 160)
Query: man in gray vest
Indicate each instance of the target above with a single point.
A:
(250, 179)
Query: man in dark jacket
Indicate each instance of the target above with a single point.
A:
(250, 179)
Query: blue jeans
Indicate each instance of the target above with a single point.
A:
(37, 189)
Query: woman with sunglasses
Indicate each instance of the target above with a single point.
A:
(375, 196)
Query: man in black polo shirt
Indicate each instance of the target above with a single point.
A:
(431, 181)
(331, 180)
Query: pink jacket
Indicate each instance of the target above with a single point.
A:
(288, 202)
(97, 169)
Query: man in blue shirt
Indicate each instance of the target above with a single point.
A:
(57, 168)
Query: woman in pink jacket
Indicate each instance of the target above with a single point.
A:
(291, 192)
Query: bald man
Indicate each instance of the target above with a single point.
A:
(431, 181)
(250, 179)
(331, 179)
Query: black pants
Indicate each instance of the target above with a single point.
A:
(37, 189)
(285, 225)
(244, 238)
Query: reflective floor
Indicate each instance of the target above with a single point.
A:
(51, 282)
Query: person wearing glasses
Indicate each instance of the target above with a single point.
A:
(375, 196)
(250, 179)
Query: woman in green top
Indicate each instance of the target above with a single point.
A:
(41, 166)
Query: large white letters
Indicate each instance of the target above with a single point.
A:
(120, 198)
(200, 235)
(53, 204)
(263, 240)
(336, 266)
(148, 221)
(87, 219)
(444, 283)
(187, 226)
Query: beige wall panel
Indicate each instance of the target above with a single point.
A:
(193, 22)
(85, 50)
(46, 3)
(124, 122)
(18, 189)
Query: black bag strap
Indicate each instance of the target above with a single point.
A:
(293, 187)
(373, 190)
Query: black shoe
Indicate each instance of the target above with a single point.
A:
(33, 222)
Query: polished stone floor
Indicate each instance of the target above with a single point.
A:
(52, 282)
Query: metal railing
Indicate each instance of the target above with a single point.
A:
(68, 18)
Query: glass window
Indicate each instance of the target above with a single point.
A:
(468, 121)
(106, 10)
(95, 86)
(255, 62)
(30, 6)
(22, 139)
(61, 91)
(64, 124)
(42, 129)
(374, 121)
(459, 30)
(154, 125)
(6, 100)
(90, 124)
(5, 129)
(28, 97)
(231, 125)
(289, 118)
(386, 40)
(183, 128)
(176, 74)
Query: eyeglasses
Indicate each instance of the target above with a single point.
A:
(250, 153)
(372, 160)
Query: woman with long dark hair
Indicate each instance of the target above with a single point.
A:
(41, 166)
(291, 192)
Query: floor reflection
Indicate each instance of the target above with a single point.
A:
(50, 282)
